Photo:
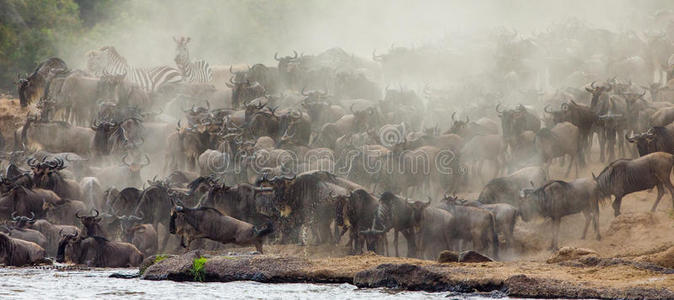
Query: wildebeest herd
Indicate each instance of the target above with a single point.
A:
(116, 163)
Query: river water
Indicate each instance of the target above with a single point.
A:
(29, 283)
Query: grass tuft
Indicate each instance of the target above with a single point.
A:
(198, 269)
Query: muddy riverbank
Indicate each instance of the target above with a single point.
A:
(587, 276)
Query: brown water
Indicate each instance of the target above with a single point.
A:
(29, 283)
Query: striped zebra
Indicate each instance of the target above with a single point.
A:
(108, 61)
(196, 71)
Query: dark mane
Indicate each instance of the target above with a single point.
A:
(195, 183)
(205, 208)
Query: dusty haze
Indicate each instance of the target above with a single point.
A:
(226, 32)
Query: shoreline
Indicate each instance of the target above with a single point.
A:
(513, 279)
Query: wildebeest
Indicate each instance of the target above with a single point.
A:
(506, 189)
(144, 237)
(25, 201)
(97, 252)
(20, 231)
(33, 87)
(656, 139)
(396, 214)
(237, 201)
(505, 215)
(625, 176)
(53, 233)
(126, 175)
(515, 121)
(473, 224)
(206, 222)
(357, 211)
(557, 199)
(484, 148)
(563, 139)
(435, 229)
(91, 224)
(57, 137)
(16, 252)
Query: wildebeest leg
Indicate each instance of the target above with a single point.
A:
(602, 144)
(555, 233)
(568, 169)
(410, 236)
(661, 192)
(616, 205)
(588, 217)
(395, 241)
(258, 246)
(611, 144)
(595, 219)
(667, 184)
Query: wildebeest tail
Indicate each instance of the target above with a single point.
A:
(261, 231)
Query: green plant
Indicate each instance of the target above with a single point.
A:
(160, 257)
(198, 269)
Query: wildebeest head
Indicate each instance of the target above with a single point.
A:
(253, 107)
(126, 223)
(68, 246)
(286, 63)
(91, 223)
(529, 199)
(458, 125)
(597, 91)
(292, 123)
(362, 118)
(645, 142)
(22, 221)
(418, 208)
(132, 132)
(135, 166)
(558, 116)
(281, 185)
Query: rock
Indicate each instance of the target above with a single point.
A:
(447, 256)
(471, 256)
(400, 276)
(570, 253)
(175, 268)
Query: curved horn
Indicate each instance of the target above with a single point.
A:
(454, 113)
(276, 56)
(295, 54)
(97, 213)
(14, 217)
(32, 216)
(592, 84)
(351, 108)
(77, 215)
(497, 106)
(546, 109)
(230, 69)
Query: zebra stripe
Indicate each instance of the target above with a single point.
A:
(149, 79)
(197, 71)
